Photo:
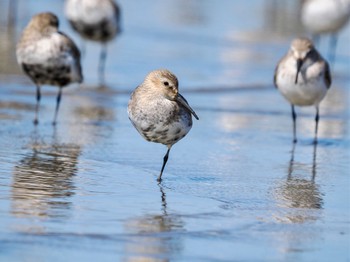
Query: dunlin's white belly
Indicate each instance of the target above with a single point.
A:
(303, 93)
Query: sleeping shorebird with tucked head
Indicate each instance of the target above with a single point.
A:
(48, 56)
(159, 112)
(303, 78)
(95, 20)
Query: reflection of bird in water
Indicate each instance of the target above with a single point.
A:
(325, 17)
(42, 180)
(95, 109)
(154, 237)
(95, 20)
(299, 194)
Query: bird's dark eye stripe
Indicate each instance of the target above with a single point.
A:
(166, 83)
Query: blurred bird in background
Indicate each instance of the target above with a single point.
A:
(48, 57)
(321, 17)
(95, 20)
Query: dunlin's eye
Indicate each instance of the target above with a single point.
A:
(166, 83)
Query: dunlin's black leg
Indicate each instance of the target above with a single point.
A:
(165, 160)
(59, 95)
(316, 39)
(38, 97)
(83, 48)
(294, 117)
(317, 118)
(101, 67)
(332, 48)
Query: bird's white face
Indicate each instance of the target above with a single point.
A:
(300, 48)
(168, 88)
(300, 54)
(164, 82)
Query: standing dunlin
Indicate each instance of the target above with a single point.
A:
(48, 56)
(95, 20)
(325, 17)
(159, 112)
(303, 78)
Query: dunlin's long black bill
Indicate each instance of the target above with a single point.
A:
(294, 117)
(183, 102)
(299, 64)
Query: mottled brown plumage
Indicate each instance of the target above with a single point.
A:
(159, 112)
(48, 56)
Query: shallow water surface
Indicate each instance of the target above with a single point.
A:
(235, 189)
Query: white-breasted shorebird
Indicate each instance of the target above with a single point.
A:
(303, 78)
(159, 112)
(48, 56)
(321, 17)
(95, 20)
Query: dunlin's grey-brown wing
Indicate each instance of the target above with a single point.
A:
(277, 71)
(327, 75)
(67, 45)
